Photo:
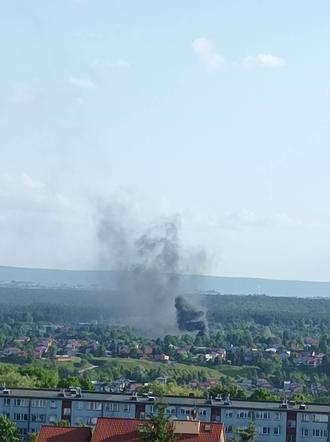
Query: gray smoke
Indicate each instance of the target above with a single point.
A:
(189, 317)
(147, 264)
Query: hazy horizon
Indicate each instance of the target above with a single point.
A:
(206, 275)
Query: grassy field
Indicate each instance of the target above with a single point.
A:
(171, 370)
(235, 371)
(174, 370)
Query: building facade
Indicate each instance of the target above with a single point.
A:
(273, 421)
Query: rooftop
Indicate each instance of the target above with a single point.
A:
(122, 430)
(64, 434)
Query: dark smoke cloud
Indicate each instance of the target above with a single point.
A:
(147, 264)
(189, 317)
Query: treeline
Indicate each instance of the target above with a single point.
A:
(46, 312)
(78, 305)
(267, 310)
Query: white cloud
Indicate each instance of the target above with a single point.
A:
(250, 218)
(82, 83)
(24, 193)
(207, 53)
(263, 61)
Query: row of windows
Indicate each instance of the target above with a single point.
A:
(21, 417)
(259, 430)
(113, 407)
(268, 430)
(35, 403)
(86, 421)
(314, 418)
(181, 411)
(315, 432)
(97, 406)
(244, 414)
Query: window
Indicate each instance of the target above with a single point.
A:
(262, 415)
(320, 418)
(52, 404)
(52, 418)
(21, 403)
(91, 420)
(6, 402)
(94, 406)
(39, 403)
(276, 430)
(265, 430)
(304, 432)
(112, 407)
(242, 414)
(22, 431)
(317, 432)
(228, 413)
(229, 428)
(20, 417)
(276, 415)
(202, 412)
(38, 418)
(126, 408)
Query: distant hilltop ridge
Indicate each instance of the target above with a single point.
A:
(37, 278)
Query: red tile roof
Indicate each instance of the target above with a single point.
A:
(125, 430)
(64, 434)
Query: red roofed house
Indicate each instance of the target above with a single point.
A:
(123, 430)
(64, 434)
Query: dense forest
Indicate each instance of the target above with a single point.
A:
(266, 309)
(220, 308)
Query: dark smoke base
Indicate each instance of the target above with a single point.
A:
(188, 317)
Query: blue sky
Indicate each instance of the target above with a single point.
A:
(216, 112)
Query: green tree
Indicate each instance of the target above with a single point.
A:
(247, 435)
(32, 437)
(158, 428)
(8, 430)
(261, 394)
(62, 423)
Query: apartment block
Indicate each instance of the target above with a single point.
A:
(273, 421)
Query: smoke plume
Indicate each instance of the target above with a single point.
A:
(147, 264)
(189, 317)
